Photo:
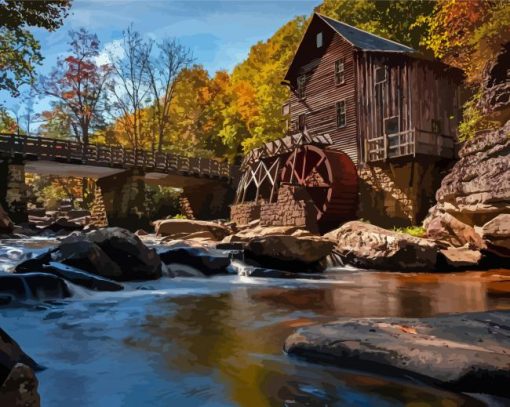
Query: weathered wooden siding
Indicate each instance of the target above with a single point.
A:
(322, 93)
(435, 95)
(416, 91)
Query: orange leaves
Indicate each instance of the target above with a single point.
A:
(458, 28)
(408, 329)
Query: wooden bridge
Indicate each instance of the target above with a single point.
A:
(40, 148)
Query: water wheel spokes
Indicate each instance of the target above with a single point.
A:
(330, 178)
(308, 166)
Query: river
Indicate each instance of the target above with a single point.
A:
(218, 341)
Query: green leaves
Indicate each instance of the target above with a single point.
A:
(19, 50)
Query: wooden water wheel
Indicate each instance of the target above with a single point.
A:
(330, 179)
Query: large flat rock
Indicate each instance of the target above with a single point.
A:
(184, 228)
(464, 352)
(368, 246)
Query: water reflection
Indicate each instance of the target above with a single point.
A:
(236, 337)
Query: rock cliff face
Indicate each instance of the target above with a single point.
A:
(473, 201)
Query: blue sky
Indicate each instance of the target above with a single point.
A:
(219, 32)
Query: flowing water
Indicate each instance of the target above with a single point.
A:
(218, 341)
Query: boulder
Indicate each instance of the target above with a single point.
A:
(62, 225)
(34, 264)
(460, 257)
(246, 235)
(304, 249)
(476, 191)
(78, 213)
(185, 261)
(81, 278)
(135, 260)
(6, 225)
(447, 229)
(181, 228)
(33, 286)
(141, 232)
(20, 388)
(112, 253)
(11, 354)
(368, 246)
(86, 255)
(496, 233)
(464, 352)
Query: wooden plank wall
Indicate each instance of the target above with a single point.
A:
(416, 91)
(322, 94)
(379, 101)
(435, 95)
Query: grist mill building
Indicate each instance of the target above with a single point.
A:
(371, 129)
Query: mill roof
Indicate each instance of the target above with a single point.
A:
(363, 39)
(359, 39)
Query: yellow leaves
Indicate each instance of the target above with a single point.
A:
(466, 33)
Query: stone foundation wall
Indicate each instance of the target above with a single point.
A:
(294, 207)
(186, 208)
(98, 216)
(209, 201)
(13, 190)
(398, 194)
(244, 213)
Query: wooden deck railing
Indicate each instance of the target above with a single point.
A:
(409, 143)
(111, 156)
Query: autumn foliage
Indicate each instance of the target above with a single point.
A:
(168, 104)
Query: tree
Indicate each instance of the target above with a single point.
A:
(56, 123)
(163, 71)
(24, 111)
(19, 50)
(196, 112)
(7, 122)
(467, 34)
(78, 83)
(129, 87)
(146, 74)
(253, 115)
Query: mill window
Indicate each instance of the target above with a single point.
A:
(319, 39)
(302, 121)
(339, 72)
(380, 75)
(301, 81)
(391, 125)
(341, 119)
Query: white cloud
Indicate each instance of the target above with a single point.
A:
(113, 48)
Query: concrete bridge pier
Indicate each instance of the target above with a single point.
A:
(123, 198)
(210, 201)
(13, 191)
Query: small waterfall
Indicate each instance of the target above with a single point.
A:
(333, 260)
(239, 268)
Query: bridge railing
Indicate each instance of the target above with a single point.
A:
(110, 156)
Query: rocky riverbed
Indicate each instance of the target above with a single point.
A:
(160, 319)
